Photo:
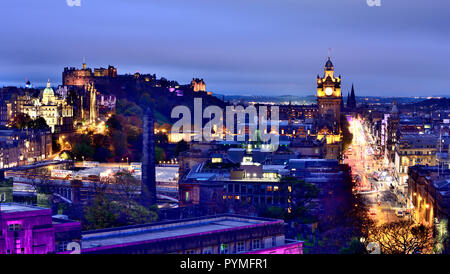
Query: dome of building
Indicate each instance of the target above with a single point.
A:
(48, 91)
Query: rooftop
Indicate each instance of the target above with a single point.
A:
(13, 207)
(161, 231)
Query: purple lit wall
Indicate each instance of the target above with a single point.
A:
(30, 231)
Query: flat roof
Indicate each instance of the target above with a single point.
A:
(12, 207)
(169, 230)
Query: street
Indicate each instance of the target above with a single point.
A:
(379, 189)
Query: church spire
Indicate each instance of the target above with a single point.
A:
(351, 100)
(353, 93)
(348, 99)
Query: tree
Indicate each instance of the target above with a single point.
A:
(114, 123)
(160, 155)
(83, 151)
(275, 212)
(56, 147)
(20, 121)
(23, 121)
(101, 213)
(115, 204)
(355, 247)
(303, 195)
(402, 237)
(38, 123)
(161, 138)
(181, 146)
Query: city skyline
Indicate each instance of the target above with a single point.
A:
(237, 47)
(224, 127)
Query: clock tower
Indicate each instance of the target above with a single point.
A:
(329, 98)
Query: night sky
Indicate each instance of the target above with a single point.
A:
(264, 47)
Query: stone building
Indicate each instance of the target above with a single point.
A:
(26, 229)
(21, 147)
(198, 85)
(220, 234)
(414, 149)
(329, 101)
(57, 113)
(429, 193)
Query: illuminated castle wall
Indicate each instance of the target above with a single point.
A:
(83, 76)
(198, 85)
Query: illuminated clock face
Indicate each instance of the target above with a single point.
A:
(328, 91)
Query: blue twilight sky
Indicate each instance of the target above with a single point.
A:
(262, 47)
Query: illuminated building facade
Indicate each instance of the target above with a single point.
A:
(329, 96)
(329, 100)
(21, 147)
(429, 193)
(28, 229)
(53, 108)
(414, 149)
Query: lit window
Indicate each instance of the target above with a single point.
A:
(240, 247)
(224, 249)
(256, 243)
(14, 227)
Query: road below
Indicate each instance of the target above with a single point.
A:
(380, 190)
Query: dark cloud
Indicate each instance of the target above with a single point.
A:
(253, 46)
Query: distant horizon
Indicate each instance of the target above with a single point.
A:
(240, 93)
(42, 85)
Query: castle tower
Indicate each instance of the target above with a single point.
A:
(329, 96)
(148, 192)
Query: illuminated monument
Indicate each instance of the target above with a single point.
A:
(329, 100)
(148, 192)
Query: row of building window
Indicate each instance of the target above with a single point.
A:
(272, 200)
(239, 247)
(252, 189)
